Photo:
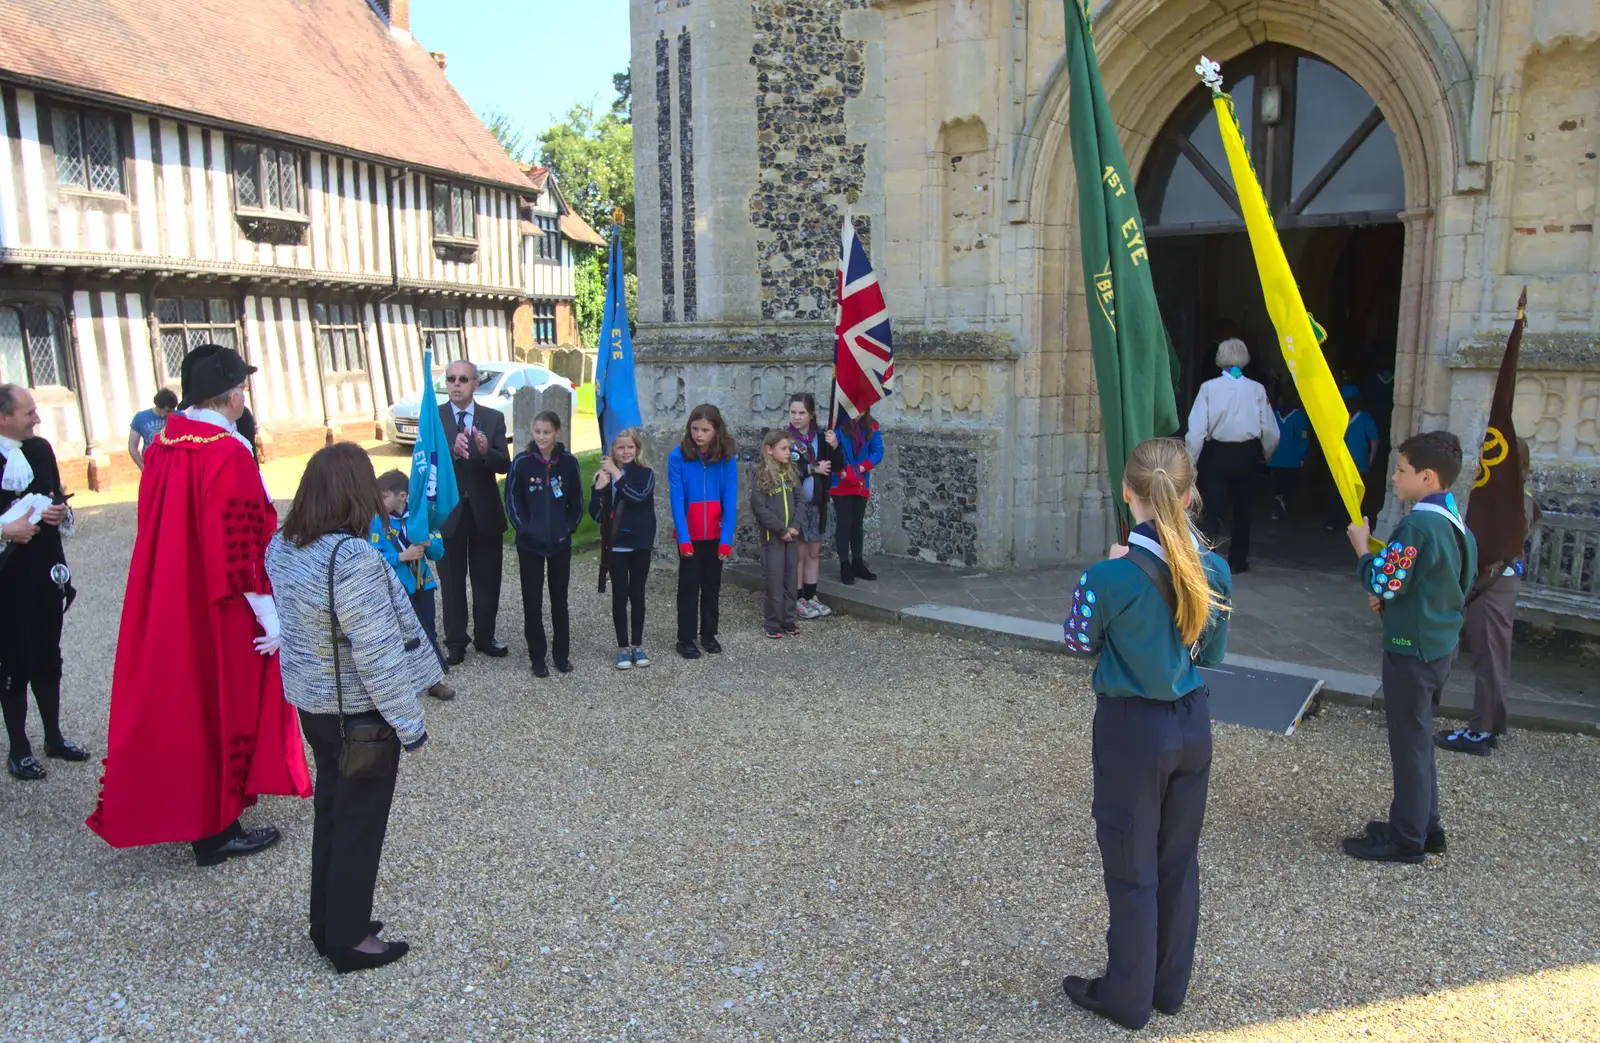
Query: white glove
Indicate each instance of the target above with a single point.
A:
(267, 645)
(266, 611)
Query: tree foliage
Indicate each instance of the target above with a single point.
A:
(510, 136)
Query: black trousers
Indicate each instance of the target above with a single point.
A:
(32, 658)
(1228, 487)
(1285, 483)
(849, 527)
(533, 568)
(422, 604)
(1152, 768)
(1411, 689)
(351, 820)
(467, 551)
(629, 570)
(699, 588)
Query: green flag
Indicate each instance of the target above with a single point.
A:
(1134, 364)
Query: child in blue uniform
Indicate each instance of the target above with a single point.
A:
(410, 560)
(1294, 444)
(1157, 607)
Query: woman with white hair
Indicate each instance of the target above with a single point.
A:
(1232, 432)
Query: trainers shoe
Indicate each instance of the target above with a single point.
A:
(774, 634)
(822, 610)
(1462, 740)
(792, 629)
(640, 657)
(805, 609)
(624, 659)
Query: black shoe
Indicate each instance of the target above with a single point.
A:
(442, 692)
(455, 656)
(494, 650)
(1172, 1011)
(1434, 845)
(1383, 848)
(250, 842)
(688, 649)
(564, 665)
(65, 750)
(846, 576)
(347, 960)
(1240, 569)
(1082, 992)
(539, 669)
(712, 645)
(1478, 744)
(28, 768)
(862, 572)
(374, 928)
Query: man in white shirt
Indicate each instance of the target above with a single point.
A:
(1232, 432)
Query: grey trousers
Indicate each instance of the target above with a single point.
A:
(1411, 689)
(780, 565)
(1487, 623)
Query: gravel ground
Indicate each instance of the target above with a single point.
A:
(860, 834)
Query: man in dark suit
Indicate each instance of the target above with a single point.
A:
(473, 534)
(37, 585)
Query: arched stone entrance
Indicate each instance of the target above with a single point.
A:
(1147, 51)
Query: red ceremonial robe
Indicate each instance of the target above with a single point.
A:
(199, 725)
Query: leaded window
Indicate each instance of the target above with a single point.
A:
(267, 177)
(547, 245)
(544, 322)
(185, 323)
(88, 155)
(339, 337)
(33, 347)
(443, 325)
(455, 211)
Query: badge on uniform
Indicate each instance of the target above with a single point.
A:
(555, 487)
(61, 576)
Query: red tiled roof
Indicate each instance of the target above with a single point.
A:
(325, 71)
(578, 230)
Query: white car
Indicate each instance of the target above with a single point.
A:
(497, 389)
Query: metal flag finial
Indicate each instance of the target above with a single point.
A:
(618, 218)
(1211, 73)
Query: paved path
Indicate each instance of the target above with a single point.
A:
(1310, 617)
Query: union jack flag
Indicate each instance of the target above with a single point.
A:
(863, 353)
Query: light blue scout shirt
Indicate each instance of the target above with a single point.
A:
(1120, 616)
(1294, 440)
(1359, 437)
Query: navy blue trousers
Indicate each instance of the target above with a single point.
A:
(1411, 689)
(1152, 766)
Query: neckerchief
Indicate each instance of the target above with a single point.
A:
(804, 441)
(19, 473)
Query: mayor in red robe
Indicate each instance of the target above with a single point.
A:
(199, 726)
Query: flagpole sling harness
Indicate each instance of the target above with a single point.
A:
(368, 747)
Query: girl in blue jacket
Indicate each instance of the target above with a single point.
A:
(861, 446)
(703, 475)
(544, 503)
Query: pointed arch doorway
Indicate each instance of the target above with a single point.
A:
(1330, 167)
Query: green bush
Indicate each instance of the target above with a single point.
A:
(586, 399)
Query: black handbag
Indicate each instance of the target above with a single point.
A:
(368, 745)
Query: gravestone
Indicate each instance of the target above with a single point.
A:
(530, 402)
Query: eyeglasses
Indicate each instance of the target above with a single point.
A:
(458, 380)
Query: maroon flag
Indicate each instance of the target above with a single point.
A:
(1494, 512)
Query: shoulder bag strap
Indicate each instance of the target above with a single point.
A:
(1154, 568)
(333, 630)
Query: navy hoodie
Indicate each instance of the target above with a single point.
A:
(544, 500)
(634, 497)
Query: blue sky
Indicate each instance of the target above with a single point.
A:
(532, 58)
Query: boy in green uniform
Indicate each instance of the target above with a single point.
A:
(1418, 583)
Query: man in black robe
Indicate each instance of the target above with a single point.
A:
(37, 588)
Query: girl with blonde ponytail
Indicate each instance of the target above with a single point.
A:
(1153, 612)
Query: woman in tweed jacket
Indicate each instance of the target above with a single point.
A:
(385, 662)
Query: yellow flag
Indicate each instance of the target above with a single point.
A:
(1298, 335)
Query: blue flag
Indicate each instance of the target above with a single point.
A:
(616, 396)
(433, 476)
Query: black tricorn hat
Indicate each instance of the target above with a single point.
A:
(209, 371)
